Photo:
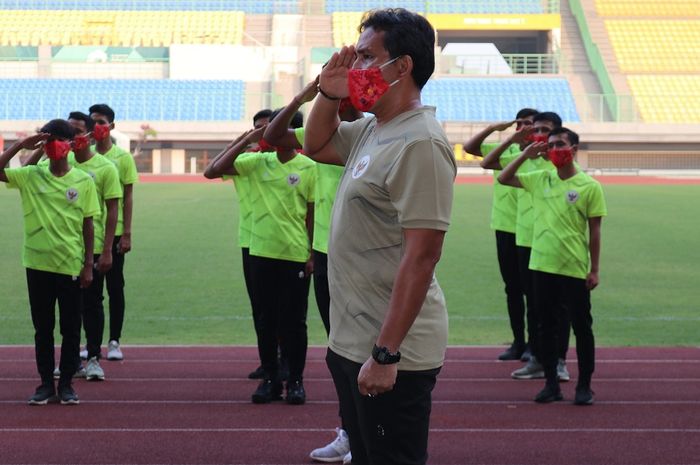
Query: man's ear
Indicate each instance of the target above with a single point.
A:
(111, 125)
(405, 65)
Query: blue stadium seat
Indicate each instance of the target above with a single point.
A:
(132, 99)
(483, 99)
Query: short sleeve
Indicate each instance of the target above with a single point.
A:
(299, 133)
(91, 206)
(112, 186)
(17, 177)
(246, 163)
(508, 156)
(421, 185)
(596, 202)
(128, 172)
(346, 136)
(528, 180)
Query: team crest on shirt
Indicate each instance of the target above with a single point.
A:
(360, 167)
(293, 179)
(572, 196)
(72, 194)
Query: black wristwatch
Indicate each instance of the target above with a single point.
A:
(382, 356)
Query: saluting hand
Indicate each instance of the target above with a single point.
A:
(333, 79)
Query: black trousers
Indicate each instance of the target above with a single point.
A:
(245, 260)
(555, 297)
(115, 290)
(94, 313)
(323, 296)
(391, 428)
(45, 288)
(533, 319)
(280, 291)
(508, 264)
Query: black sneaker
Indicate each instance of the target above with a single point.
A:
(525, 357)
(267, 391)
(43, 395)
(514, 352)
(258, 373)
(296, 395)
(550, 393)
(584, 396)
(68, 395)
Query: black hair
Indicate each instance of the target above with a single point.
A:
(526, 113)
(59, 128)
(262, 114)
(573, 137)
(548, 116)
(103, 109)
(296, 122)
(405, 33)
(80, 116)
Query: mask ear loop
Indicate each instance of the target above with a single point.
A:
(391, 84)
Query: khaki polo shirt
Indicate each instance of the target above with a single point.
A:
(399, 176)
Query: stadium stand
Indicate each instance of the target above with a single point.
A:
(484, 99)
(122, 28)
(670, 99)
(132, 99)
(656, 45)
(649, 8)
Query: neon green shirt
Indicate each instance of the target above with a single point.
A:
(279, 194)
(525, 219)
(245, 209)
(505, 198)
(126, 166)
(327, 179)
(104, 173)
(562, 210)
(54, 209)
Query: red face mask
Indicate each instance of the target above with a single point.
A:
(366, 86)
(265, 146)
(57, 149)
(81, 142)
(345, 104)
(539, 137)
(101, 131)
(560, 156)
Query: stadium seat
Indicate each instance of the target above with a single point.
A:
(667, 98)
(132, 99)
(648, 8)
(483, 99)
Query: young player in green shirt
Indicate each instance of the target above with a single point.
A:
(103, 116)
(568, 206)
(282, 186)
(59, 203)
(327, 179)
(503, 218)
(104, 174)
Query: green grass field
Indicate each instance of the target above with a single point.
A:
(184, 282)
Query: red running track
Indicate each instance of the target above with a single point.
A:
(191, 405)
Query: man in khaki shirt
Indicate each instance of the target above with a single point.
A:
(388, 314)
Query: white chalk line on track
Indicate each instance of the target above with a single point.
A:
(448, 361)
(334, 402)
(440, 380)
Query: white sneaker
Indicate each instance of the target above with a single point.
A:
(113, 351)
(532, 370)
(335, 451)
(56, 373)
(347, 460)
(83, 354)
(80, 372)
(562, 372)
(94, 371)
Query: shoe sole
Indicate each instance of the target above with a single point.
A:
(41, 402)
(327, 459)
(95, 378)
(70, 402)
(564, 379)
(115, 358)
(549, 400)
(538, 375)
